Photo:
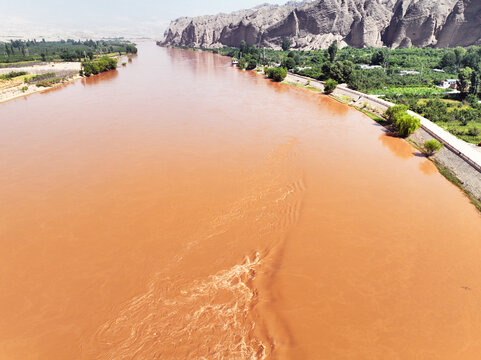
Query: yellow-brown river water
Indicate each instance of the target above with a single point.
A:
(181, 209)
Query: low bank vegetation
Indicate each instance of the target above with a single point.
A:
(48, 79)
(276, 73)
(432, 146)
(12, 74)
(403, 123)
(329, 86)
(95, 67)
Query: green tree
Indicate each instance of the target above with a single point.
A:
(289, 63)
(286, 44)
(448, 60)
(464, 80)
(242, 63)
(395, 111)
(329, 86)
(332, 51)
(475, 83)
(402, 121)
(460, 52)
(251, 64)
(407, 124)
(277, 74)
(379, 57)
(244, 48)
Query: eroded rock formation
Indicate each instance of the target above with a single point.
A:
(315, 24)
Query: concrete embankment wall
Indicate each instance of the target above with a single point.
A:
(463, 159)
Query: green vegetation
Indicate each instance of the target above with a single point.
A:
(329, 86)
(50, 82)
(431, 146)
(47, 79)
(332, 51)
(276, 73)
(404, 123)
(12, 74)
(36, 78)
(18, 51)
(95, 67)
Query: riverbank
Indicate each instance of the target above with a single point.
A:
(458, 161)
(17, 91)
(55, 73)
(18, 86)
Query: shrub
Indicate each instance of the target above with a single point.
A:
(402, 121)
(105, 63)
(12, 74)
(277, 74)
(431, 146)
(329, 86)
(131, 49)
(242, 63)
(289, 63)
(407, 124)
(251, 65)
(40, 77)
(24, 88)
(473, 131)
(394, 111)
(49, 82)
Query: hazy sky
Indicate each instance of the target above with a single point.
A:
(142, 17)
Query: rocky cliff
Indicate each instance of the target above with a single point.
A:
(315, 24)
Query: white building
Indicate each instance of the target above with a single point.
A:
(369, 67)
(449, 84)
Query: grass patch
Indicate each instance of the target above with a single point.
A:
(470, 133)
(342, 100)
(312, 88)
(13, 74)
(302, 86)
(425, 91)
(373, 116)
(453, 104)
(50, 82)
(42, 77)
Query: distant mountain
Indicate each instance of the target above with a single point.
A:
(316, 24)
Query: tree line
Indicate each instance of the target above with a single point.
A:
(64, 50)
(94, 67)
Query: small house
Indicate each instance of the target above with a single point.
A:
(369, 67)
(449, 84)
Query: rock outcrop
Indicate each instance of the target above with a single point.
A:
(316, 24)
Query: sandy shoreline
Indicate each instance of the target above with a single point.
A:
(16, 92)
(14, 89)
